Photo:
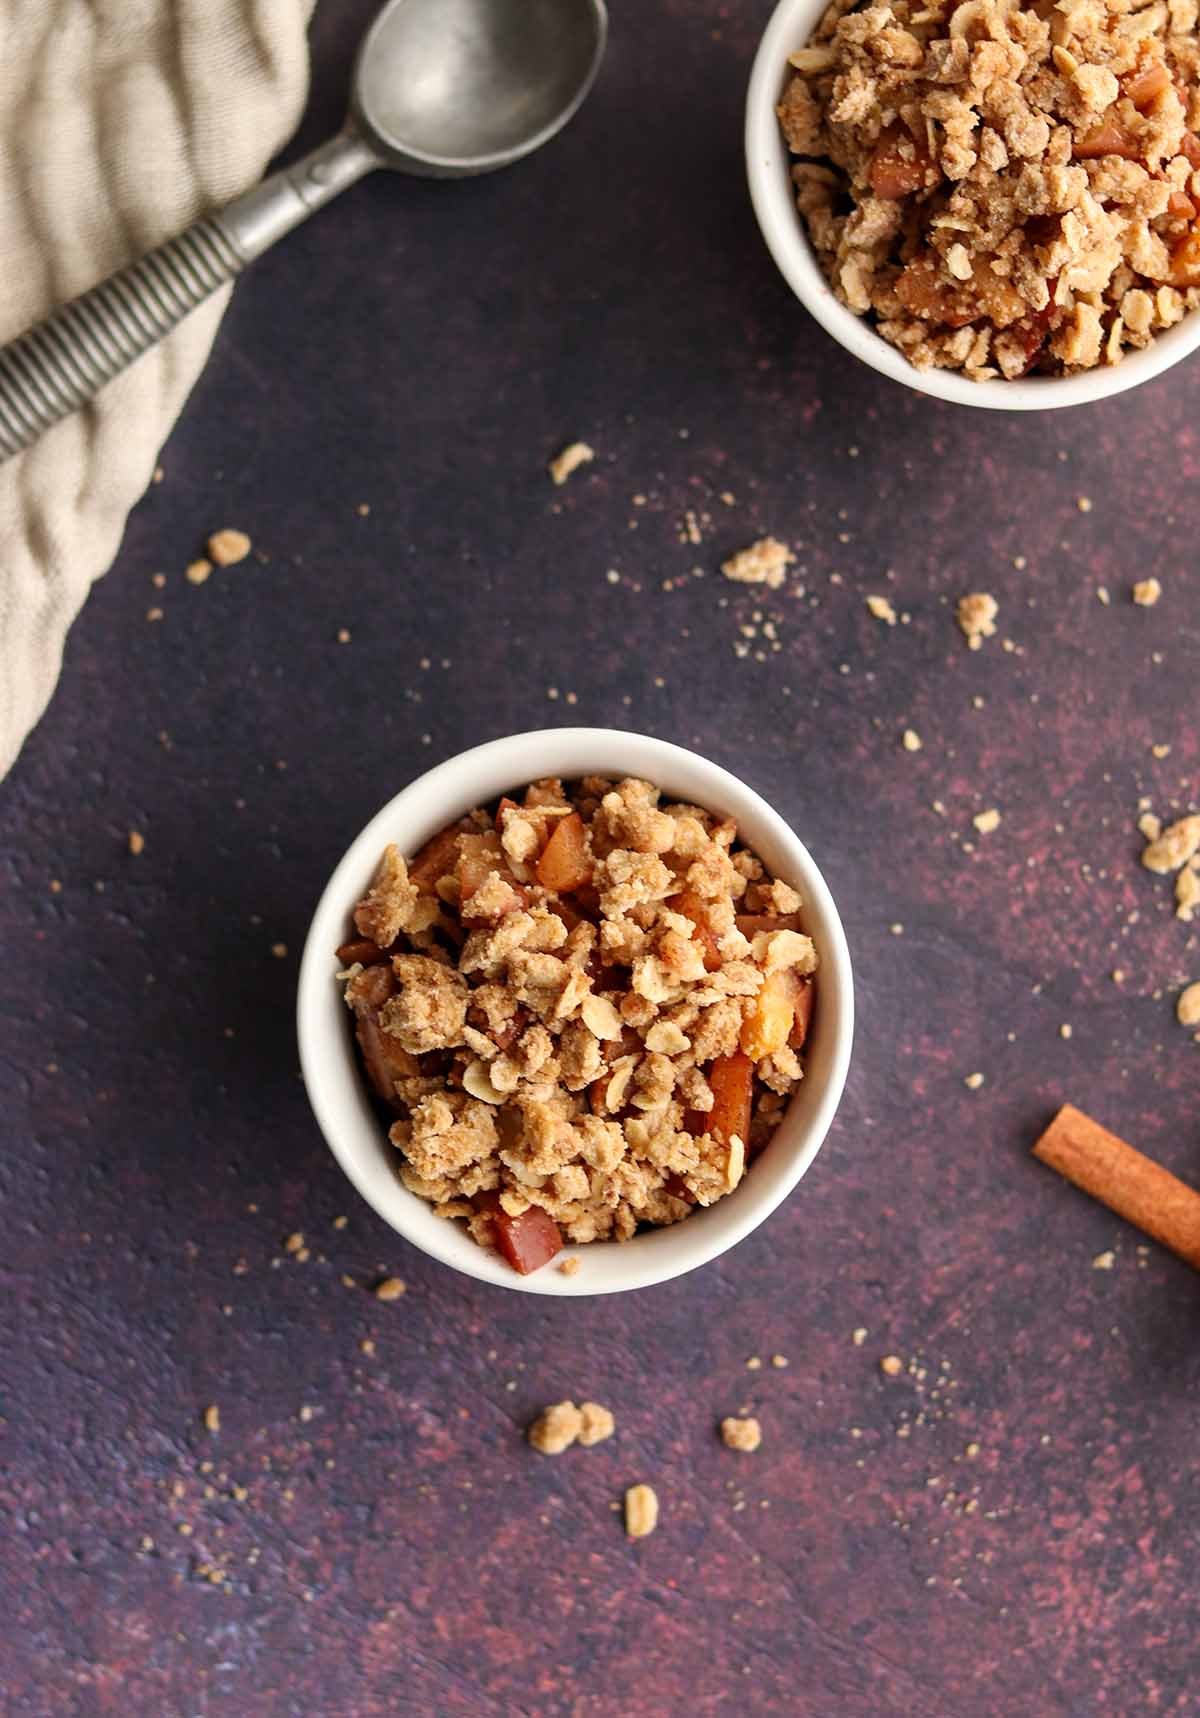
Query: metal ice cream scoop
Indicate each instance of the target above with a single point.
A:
(442, 88)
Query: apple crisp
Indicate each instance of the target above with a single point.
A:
(583, 1013)
(1002, 186)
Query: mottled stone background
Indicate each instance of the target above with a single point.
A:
(422, 350)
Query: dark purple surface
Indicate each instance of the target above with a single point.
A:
(424, 349)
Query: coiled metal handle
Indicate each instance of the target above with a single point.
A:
(59, 364)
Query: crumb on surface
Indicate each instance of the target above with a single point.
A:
(556, 1428)
(779, 1361)
(575, 454)
(1146, 592)
(227, 547)
(1066, 1029)
(765, 562)
(891, 1365)
(279, 950)
(741, 1434)
(212, 1418)
(986, 821)
(754, 1364)
(154, 614)
(1187, 1008)
(570, 1265)
(911, 740)
(1104, 1261)
(597, 1424)
(137, 842)
(390, 1288)
(973, 1082)
(977, 617)
(641, 1511)
(859, 1335)
(882, 609)
(197, 572)
(294, 1242)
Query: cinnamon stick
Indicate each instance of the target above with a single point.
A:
(1125, 1180)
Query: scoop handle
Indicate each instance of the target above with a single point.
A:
(62, 362)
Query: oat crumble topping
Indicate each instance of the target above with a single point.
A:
(584, 1012)
(1003, 186)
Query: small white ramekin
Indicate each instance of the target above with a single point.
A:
(338, 1093)
(768, 166)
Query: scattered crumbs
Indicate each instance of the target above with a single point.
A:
(739, 1434)
(1117, 976)
(552, 692)
(1102, 593)
(891, 1365)
(363, 509)
(366, 1346)
(570, 1266)
(1160, 752)
(212, 1418)
(343, 636)
(196, 572)
(1104, 1261)
(555, 1429)
(937, 806)
(1065, 1029)
(754, 1364)
(882, 609)
(1146, 592)
(641, 1511)
(727, 498)
(763, 563)
(986, 821)
(1084, 504)
(911, 740)
(973, 1082)
(159, 581)
(294, 1243)
(154, 614)
(897, 930)
(279, 950)
(971, 1451)
(977, 617)
(159, 474)
(391, 1288)
(613, 576)
(1187, 1008)
(226, 548)
(779, 1361)
(137, 842)
(340, 1222)
(1187, 894)
(1020, 563)
(306, 1413)
(575, 454)
(55, 886)
(859, 1335)
(598, 1424)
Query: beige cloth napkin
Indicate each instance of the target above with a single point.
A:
(120, 122)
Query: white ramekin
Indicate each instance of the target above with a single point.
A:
(338, 1093)
(768, 168)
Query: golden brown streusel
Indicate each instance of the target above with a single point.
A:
(1003, 186)
(585, 1012)
(763, 563)
(1174, 847)
(391, 1288)
(741, 1434)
